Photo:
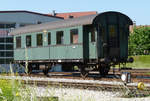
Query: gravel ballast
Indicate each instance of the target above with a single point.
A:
(70, 94)
(68, 80)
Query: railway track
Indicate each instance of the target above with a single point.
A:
(137, 75)
(95, 85)
(92, 82)
(94, 76)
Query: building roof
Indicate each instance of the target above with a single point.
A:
(74, 14)
(24, 11)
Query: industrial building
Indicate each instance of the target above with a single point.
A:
(14, 19)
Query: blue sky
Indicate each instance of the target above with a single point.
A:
(137, 10)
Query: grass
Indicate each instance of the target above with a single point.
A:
(15, 90)
(9, 90)
(142, 61)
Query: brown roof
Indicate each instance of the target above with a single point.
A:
(74, 14)
(24, 11)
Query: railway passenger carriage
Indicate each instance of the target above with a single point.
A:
(96, 41)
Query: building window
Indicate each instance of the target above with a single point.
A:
(9, 54)
(18, 42)
(2, 54)
(2, 25)
(49, 38)
(2, 47)
(7, 61)
(74, 36)
(9, 47)
(9, 40)
(2, 40)
(7, 25)
(60, 37)
(39, 40)
(28, 41)
(92, 34)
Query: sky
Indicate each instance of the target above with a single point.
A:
(137, 10)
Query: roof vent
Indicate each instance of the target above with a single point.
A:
(54, 13)
(70, 16)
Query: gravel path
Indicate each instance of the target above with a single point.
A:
(68, 94)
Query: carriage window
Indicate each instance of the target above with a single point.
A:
(74, 36)
(92, 34)
(28, 41)
(60, 37)
(49, 38)
(39, 39)
(18, 42)
(112, 31)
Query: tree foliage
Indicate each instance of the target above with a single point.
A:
(139, 41)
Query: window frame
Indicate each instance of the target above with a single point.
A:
(18, 44)
(59, 39)
(37, 42)
(72, 35)
(49, 38)
(30, 45)
(93, 34)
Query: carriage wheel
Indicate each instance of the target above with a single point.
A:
(46, 70)
(84, 73)
(103, 70)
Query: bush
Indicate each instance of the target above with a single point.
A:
(139, 41)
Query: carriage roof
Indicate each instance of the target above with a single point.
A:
(84, 20)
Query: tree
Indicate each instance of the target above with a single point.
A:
(139, 41)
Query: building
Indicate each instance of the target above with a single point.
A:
(73, 14)
(15, 19)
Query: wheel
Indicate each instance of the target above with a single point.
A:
(103, 70)
(84, 73)
(46, 70)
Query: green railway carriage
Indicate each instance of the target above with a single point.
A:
(99, 40)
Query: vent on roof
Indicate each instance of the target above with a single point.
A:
(70, 16)
(54, 13)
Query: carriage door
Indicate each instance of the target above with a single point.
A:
(113, 41)
(108, 37)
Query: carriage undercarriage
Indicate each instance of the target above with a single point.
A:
(102, 67)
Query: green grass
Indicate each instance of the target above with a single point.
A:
(8, 90)
(142, 61)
